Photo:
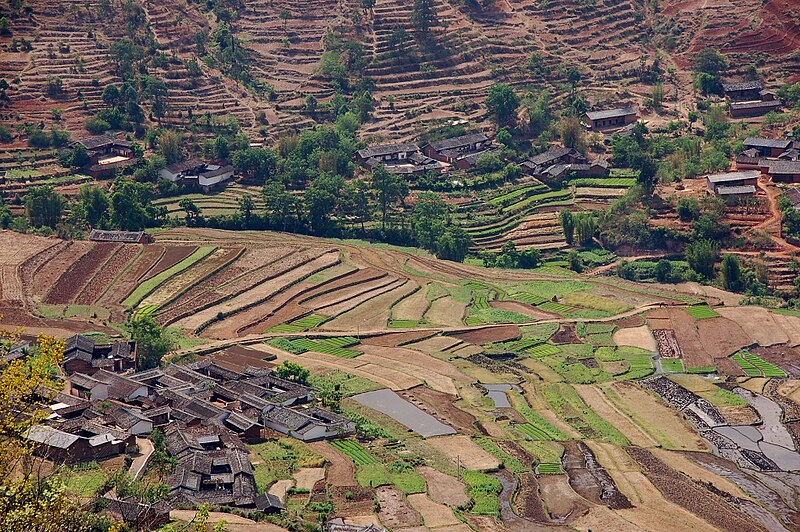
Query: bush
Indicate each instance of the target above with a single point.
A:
(97, 125)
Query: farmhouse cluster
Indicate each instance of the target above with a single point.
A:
(206, 412)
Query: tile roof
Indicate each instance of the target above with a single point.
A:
(767, 143)
(727, 177)
(185, 166)
(782, 167)
(742, 86)
(611, 113)
(51, 437)
(129, 237)
(458, 142)
(386, 149)
(755, 105)
(735, 190)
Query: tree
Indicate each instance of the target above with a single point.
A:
(453, 244)
(663, 271)
(731, 270)
(131, 205)
(389, 188)
(291, 371)
(657, 95)
(428, 219)
(321, 199)
(94, 204)
(5, 215)
(688, 209)
(246, 208)
(567, 225)
(191, 210)
(488, 162)
(80, 157)
(280, 204)
(169, 146)
(32, 498)
(585, 229)
(257, 164)
(151, 343)
(424, 16)
(702, 255)
(709, 61)
(647, 177)
(503, 102)
(43, 207)
(286, 16)
(572, 133)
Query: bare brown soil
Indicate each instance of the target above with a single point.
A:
(443, 488)
(172, 256)
(53, 269)
(489, 335)
(589, 479)
(786, 358)
(527, 503)
(693, 348)
(395, 512)
(70, 284)
(396, 339)
(679, 489)
(106, 275)
(566, 334)
(560, 500)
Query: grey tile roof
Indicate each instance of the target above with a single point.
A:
(98, 235)
(782, 167)
(51, 437)
(742, 86)
(458, 142)
(767, 143)
(386, 149)
(736, 190)
(611, 113)
(733, 176)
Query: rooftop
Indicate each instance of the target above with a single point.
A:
(386, 149)
(736, 190)
(755, 105)
(184, 166)
(458, 142)
(611, 113)
(782, 166)
(767, 143)
(115, 236)
(733, 176)
(742, 86)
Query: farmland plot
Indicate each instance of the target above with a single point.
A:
(106, 275)
(125, 284)
(184, 280)
(16, 250)
(46, 276)
(373, 313)
(70, 284)
(389, 403)
(301, 266)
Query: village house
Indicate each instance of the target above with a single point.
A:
(555, 154)
(752, 109)
(743, 91)
(61, 446)
(767, 147)
(308, 424)
(733, 184)
(140, 515)
(82, 355)
(195, 172)
(782, 171)
(610, 118)
(460, 152)
(121, 237)
(405, 159)
(107, 155)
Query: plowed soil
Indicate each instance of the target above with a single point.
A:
(694, 352)
(679, 489)
(70, 284)
(172, 256)
(106, 275)
(443, 488)
(395, 510)
(126, 284)
(489, 335)
(52, 271)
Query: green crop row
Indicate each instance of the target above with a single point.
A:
(154, 282)
(549, 469)
(542, 350)
(354, 451)
(533, 432)
(755, 366)
(700, 312)
(558, 308)
(339, 341)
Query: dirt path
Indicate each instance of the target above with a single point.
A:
(340, 471)
(140, 462)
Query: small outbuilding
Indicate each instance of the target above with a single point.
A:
(733, 183)
(121, 237)
(755, 108)
(611, 118)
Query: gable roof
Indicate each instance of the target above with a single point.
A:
(755, 105)
(782, 166)
(386, 149)
(742, 86)
(727, 177)
(734, 190)
(184, 166)
(793, 195)
(759, 142)
(51, 437)
(611, 113)
(116, 236)
(96, 141)
(458, 142)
